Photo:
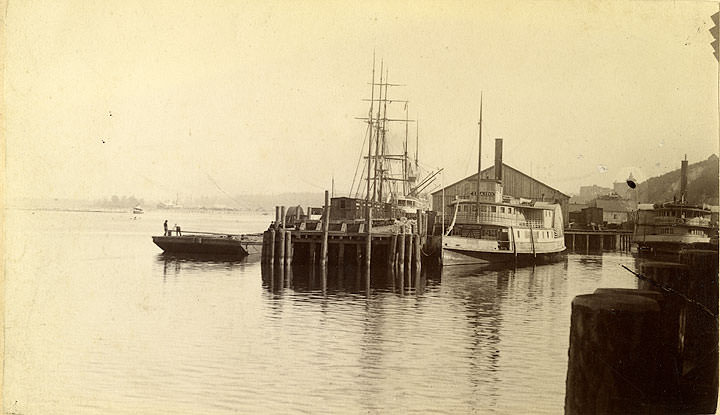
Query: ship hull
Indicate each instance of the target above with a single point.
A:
(459, 257)
(469, 251)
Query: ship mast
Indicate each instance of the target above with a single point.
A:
(377, 136)
(405, 154)
(477, 190)
(380, 159)
(417, 143)
(370, 124)
(382, 138)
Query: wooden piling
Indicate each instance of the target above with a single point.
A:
(401, 245)
(326, 227)
(324, 272)
(418, 258)
(699, 382)
(368, 242)
(392, 249)
(409, 249)
(587, 243)
(419, 223)
(281, 251)
(312, 253)
(288, 248)
(401, 271)
(271, 256)
(610, 371)
(288, 277)
(264, 251)
(341, 256)
(662, 275)
(602, 242)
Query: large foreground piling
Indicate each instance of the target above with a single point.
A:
(699, 334)
(666, 278)
(610, 371)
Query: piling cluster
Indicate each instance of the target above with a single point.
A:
(617, 240)
(650, 350)
(393, 244)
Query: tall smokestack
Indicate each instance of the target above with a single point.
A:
(498, 158)
(683, 179)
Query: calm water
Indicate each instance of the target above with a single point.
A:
(97, 321)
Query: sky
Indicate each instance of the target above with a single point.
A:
(155, 99)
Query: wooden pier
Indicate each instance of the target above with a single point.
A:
(390, 243)
(585, 240)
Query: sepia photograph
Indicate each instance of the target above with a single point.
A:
(376, 207)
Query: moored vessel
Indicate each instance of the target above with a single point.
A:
(667, 228)
(209, 243)
(493, 229)
(487, 227)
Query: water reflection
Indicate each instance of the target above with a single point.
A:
(231, 336)
(481, 290)
(302, 278)
(177, 264)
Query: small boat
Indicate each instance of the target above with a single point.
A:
(210, 243)
(137, 210)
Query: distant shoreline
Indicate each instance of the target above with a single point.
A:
(115, 210)
(67, 209)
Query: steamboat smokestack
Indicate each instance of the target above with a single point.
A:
(683, 179)
(498, 158)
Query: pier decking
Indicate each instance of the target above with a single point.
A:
(394, 244)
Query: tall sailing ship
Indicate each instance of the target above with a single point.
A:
(390, 183)
(489, 227)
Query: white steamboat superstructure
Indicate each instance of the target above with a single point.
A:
(495, 229)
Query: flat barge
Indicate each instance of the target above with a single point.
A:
(210, 243)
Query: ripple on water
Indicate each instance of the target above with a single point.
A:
(121, 329)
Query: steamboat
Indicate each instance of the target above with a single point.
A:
(667, 228)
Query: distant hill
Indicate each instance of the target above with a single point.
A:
(702, 184)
